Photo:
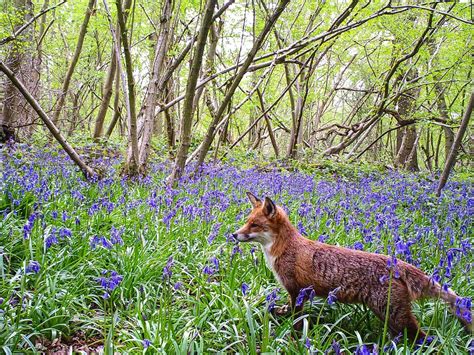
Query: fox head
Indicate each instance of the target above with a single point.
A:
(264, 222)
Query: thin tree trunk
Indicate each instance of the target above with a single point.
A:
(169, 119)
(86, 170)
(117, 107)
(456, 144)
(267, 121)
(443, 111)
(154, 93)
(441, 103)
(185, 135)
(107, 92)
(238, 78)
(72, 66)
(131, 167)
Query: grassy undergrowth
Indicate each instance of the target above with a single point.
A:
(139, 267)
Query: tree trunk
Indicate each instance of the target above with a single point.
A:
(456, 144)
(107, 92)
(169, 118)
(117, 107)
(86, 170)
(295, 136)
(154, 92)
(131, 167)
(72, 66)
(16, 111)
(406, 138)
(267, 121)
(238, 78)
(406, 156)
(443, 111)
(188, 105)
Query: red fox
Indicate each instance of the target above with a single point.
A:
(355, 276)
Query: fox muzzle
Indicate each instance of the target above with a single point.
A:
(242, 237)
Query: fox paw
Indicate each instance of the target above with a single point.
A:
(282, 310)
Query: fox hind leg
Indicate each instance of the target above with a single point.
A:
(400, 316)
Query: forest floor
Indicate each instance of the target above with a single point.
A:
(136, 266)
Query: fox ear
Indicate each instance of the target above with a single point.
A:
(253, 200)
(269, 208)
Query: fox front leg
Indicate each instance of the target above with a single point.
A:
(297, 311)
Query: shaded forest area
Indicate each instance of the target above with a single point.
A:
(381, 81)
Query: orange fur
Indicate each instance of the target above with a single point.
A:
(359, 276)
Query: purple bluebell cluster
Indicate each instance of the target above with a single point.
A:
(336, 347)
(305, 294)
(366, 350)
(211, 268)
(33, 267)
(100, 241)
(464, 308)
(245, 288)
(109, 281)
(271, 299)
(168, 269)
(146, 343)
(116, 235)
(332, 296)
(28, 227)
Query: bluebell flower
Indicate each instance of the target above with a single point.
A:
(365, 350)
(336, 347)
(244, 287)
(236, 250)
(65, 233)
(304, 294)
(146, 343)
(109, 281)
(32, 267)
(301, 228)
(271, 299)
(28, 227)
(215, 262)
(307, 344)
(332, 296)
(99, 240)
(323, 238)
(392, 266)
(168, 269)
(51, 239)
(116, 236)
(463, 306)
(214, 232)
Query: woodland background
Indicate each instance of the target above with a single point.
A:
(382, 81)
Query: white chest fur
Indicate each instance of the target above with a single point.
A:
(270, 260)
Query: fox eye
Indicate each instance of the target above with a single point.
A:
(254, 225)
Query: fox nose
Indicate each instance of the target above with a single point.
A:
(234, 235)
